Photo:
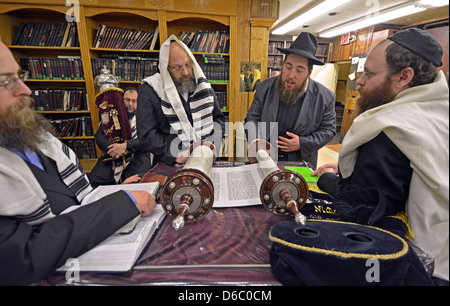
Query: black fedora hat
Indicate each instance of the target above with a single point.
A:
(305, 45)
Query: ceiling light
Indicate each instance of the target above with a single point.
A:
(313, 13)
(433, 3)
(383, 16)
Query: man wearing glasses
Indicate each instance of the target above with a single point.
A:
(40, 177)
(177, 106)
(399, 141)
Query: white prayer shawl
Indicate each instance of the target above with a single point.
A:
(417, 122)
(21, 195)
(118, 169)
(201, 101)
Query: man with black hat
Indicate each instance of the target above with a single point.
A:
(399, 142)
(303, 109)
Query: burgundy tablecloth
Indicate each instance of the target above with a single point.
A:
(229, 246)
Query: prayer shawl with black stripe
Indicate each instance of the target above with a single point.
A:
(119, 163)
(201, 101)
(21, 194)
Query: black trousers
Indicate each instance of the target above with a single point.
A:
(103, 174)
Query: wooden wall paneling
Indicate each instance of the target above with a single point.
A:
(87, 69)
(442, 34)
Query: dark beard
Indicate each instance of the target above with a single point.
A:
(130, 115)
(185, 87)
(370, 99)
(288, 96)
(21, 127)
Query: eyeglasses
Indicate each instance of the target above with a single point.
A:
(179, 68)
(368, 74)
(11, 83)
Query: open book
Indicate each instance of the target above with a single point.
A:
(240, 186)
(119, 252)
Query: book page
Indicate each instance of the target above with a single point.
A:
(236, 186)
(119, 252)
(104, 190)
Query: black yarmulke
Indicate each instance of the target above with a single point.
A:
(420, 43)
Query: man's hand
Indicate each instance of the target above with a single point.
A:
(289, 145)
(145, 201)
(132, 179)
(328, 168)
(182, 157)
(116, 150)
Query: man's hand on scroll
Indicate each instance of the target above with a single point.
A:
(182, 157)
(289, 145)
(145, 201)
(327, 168)
(116, 150)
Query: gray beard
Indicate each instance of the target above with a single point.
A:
(185, 88)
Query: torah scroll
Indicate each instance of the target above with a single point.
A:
(282, 191)
(188, 195)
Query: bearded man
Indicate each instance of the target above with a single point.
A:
(399, 141)
(303, 108)
(40, 178)
(177, 106)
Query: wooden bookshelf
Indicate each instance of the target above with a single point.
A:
(169, 17)
(275, 57)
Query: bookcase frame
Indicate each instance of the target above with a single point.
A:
(171, 16)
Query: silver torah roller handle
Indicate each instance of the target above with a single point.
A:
(282, 192)
(188, 195)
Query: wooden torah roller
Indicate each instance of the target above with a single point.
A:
(282, 192)
(188, 195)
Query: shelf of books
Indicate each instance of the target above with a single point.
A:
(322, 51)
(208, 37)
(49, 48)
(64, 57)
(125, 41)
(275, 57)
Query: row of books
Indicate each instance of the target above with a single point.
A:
(206, 41)
(213, 59)
(73, 127)
(216, 73)
(125, 38)
(273, 45)
(126, 68)
(47, 34)
(83, 148)
(275, 61)
(61, 68)
(222, 99)
(60, 100)
(322, 51)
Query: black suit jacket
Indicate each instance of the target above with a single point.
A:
(153, 128)
(29, 254)
(103, 174)
(315, 125)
